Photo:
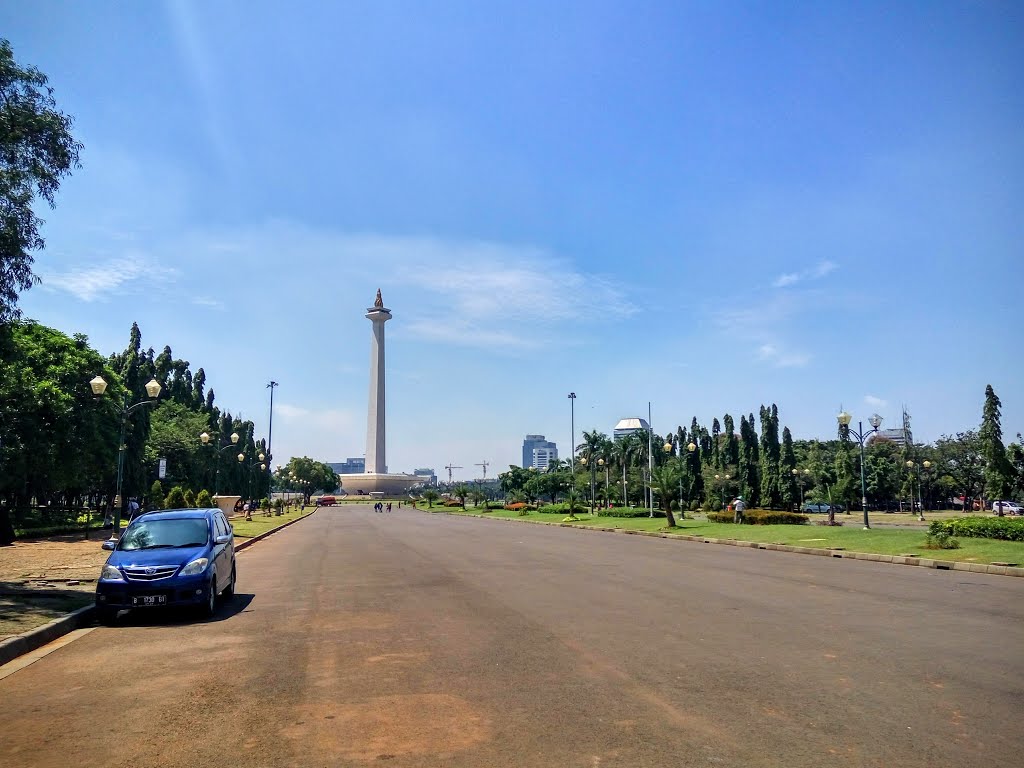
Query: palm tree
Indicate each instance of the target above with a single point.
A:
(460, 492)
(431, 496)
(664, 479)
(591, 446)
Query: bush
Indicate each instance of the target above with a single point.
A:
(204, 500)
(453, 503)
(625, 512)
(517, 505)
(694, 506)
(760, 517)
(190, 499)
(175, 499)
(940, 540)
(1004, 528)
(156, 495)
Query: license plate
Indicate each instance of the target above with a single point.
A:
(149, 600)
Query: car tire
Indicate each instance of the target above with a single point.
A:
(229, 590)
(106, 616)
(209, 607)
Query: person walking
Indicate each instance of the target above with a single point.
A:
(738, 508)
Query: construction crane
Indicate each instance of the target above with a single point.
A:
(450, 467)
(483, 464)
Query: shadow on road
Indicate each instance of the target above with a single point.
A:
(176, 616)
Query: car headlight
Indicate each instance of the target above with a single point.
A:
(111, 573)
(195, 567)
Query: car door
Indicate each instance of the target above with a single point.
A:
(220, 559)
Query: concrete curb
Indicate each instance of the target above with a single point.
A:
(940, 565)
(16, 646)
(19, 645)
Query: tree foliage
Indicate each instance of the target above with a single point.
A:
(37, 151)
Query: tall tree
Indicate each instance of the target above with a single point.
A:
(998, 471)
(770, 494)
(787, 463)
(37, 150)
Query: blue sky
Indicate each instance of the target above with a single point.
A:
(707, 206)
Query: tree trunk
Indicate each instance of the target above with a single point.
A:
(6, 527)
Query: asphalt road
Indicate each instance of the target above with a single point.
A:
(413, 639)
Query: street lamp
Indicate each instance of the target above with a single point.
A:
(927, 467)
(844, 418)
(800, 478)
(593, 468)
(572, 440)
(721, 480)
(916, 470)
(99, 386)
(667, 447)
(258, 463)
(205, 440)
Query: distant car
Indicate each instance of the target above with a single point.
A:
(1009, 507)
(167, 558)
(816, 507)
(327, 501)
(838, 507)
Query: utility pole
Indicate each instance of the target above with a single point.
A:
(270, 440)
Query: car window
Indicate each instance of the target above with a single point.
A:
(222, 527)
(162, 534)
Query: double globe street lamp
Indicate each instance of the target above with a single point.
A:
(205, 439)
(875, 421)
(258, 463)
(99, 386)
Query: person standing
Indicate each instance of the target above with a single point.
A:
(738, 508)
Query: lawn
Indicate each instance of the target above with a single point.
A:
(850, 536)
(260, 523)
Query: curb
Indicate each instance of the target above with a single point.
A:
(16, 646)
(939, 565)
(19, 645)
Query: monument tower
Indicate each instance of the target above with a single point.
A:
(375, 478)
(376, 462)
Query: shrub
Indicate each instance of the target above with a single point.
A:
(156, 495)
(694, 506)
(760, 517)
(204, 500)
(175, 499)
(624, 512)
(279, 506)
(517, 505)
(1004, 528)
(453, 503)
(190, 499)
(940, 540)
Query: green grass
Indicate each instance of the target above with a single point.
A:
(851, 536)
(260, 523)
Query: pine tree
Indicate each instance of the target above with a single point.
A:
(787, 481)
(998, 472)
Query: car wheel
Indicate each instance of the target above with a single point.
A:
(106, 616)
(210, 606)
(229, 590)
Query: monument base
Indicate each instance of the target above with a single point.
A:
(367, 483)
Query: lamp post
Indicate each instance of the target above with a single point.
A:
(601, 463)
(258, 463)
(721, 480)
(667, 447)
(205, 440)
(916, 470)
(99, 386)
(927, 466)
(572, 440)
(690, 448)
(585, 460)
(800, 478)
(844, 419)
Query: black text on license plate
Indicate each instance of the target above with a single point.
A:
(149, 600)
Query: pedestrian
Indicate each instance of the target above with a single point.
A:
(389, 506)
(133, 508)
(738, 508)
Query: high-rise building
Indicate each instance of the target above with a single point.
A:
(427, 474)
(348, 466)
(538, 452)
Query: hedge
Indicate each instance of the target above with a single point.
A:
(760, 517)
(1005, 528)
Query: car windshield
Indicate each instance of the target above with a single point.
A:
(163, 534)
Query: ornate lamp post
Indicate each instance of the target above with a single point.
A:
(800, 478)
(99, 386)
(259, 463)
(205, 440)
(584, 460)
(721, 480)
(601, 463)
(844, 424)
(916, 470)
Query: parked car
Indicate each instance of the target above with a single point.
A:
(327, 501)
(816, 507)
(173, 557)
(1009, 507)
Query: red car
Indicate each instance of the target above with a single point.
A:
(327, 501)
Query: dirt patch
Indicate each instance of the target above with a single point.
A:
(45, 579)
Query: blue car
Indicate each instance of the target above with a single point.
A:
(174, 557)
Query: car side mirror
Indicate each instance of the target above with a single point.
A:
(222, 539)
(109, 544)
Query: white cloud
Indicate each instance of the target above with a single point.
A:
(781, 357)
(818, 271)
(875, 402)
(91, 283)
(206, 301)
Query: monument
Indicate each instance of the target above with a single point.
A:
(376, 479)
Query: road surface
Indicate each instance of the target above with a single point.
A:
(411, 639)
